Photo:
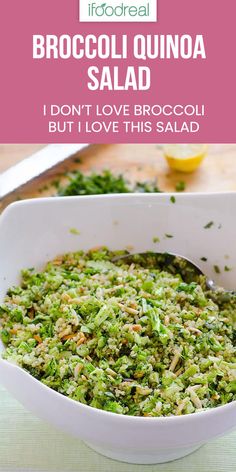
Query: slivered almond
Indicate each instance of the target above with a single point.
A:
(194, 330)
(65, 297)
(175, 360)
(132, 311)
(179, 371)
(181, 406)
(77, 370)
(136, 328)
(65, 332)
(95, 248)
(57, 261)
(166, 320)
(194, 397)
(68, 336)
(81, 341)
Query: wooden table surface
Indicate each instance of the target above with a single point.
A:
(135, 161)
(10, 154)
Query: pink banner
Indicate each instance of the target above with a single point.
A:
(170, 80)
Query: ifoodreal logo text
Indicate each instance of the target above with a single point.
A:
(118, 11)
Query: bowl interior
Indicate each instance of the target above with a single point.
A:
(196, 226)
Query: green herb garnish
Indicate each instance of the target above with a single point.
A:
(104, 183)
(209, 225)
(180, 186)
(74, 231)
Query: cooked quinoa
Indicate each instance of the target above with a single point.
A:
(122, 337)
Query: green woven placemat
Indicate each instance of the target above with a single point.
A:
(30, 445)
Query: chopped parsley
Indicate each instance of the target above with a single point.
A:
(180, 186)
(74, 231)
(104, 183)
(172, 199)
(216, 269)
(209, 225)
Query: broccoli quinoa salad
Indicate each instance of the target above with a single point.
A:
(122, 337)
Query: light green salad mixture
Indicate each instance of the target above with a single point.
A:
(122, 337)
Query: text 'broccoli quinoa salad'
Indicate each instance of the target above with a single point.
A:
(122, 337)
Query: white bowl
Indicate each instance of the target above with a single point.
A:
(34, 231)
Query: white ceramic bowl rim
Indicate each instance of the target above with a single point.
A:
(140, 419)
